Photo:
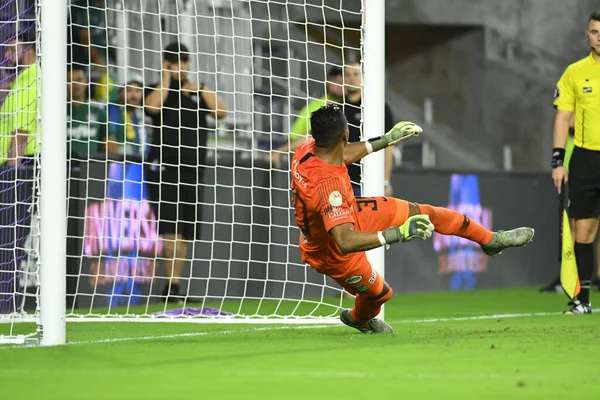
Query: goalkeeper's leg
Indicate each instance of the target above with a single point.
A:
(379, 213)
(371, 293)
(450, 222)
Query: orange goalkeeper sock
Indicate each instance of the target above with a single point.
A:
(366, 307)
(450, 222)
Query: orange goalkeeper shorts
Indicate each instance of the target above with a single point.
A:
(374, 214)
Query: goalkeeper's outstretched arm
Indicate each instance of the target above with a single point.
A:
(349, 241)
(402, 130)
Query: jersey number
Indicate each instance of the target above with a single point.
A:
(300, 211)
(372, 203)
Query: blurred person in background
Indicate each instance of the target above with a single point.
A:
(126, 135)
(18, 147)
(352, 110)
(8, 68)
(18, 113)
(334, 93)
(89, 45)
(179, 109)
(86, 121)
(577, 92)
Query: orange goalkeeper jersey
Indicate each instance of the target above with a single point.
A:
(323, 198)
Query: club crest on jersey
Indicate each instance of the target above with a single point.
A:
(335, 198)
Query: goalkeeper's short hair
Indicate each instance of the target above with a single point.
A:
(328, 124)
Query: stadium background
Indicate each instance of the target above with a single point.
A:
(479, 74)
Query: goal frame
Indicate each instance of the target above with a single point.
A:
(53, 195)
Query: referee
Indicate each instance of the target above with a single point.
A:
(352, 110)
(578, 91)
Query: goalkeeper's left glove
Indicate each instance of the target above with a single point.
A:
(400, 131)
(417, 226)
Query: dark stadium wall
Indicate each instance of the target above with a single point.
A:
(497, 201)
(445, 64)
(490, 68)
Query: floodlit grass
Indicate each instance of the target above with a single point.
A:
(503, 344)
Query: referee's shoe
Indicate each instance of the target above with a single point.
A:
(577, 308)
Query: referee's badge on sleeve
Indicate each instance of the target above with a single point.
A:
(556, 93)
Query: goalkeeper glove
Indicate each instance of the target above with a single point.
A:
(400, 131)
(417, 226)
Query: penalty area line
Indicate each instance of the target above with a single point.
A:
(183, 335)
(476, 317)
(294, 327)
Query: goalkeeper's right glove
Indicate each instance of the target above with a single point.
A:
(417, 226)
(400, 131)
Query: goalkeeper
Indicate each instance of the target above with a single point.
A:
(337, 229)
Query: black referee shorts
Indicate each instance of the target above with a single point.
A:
(175, 195)
(584, 184)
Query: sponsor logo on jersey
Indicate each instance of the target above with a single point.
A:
(353, 279)
(587, 89)
(362, 288)
(337, 212)
(297, 175)
(373, 277)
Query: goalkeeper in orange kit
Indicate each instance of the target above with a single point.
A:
(336, 228)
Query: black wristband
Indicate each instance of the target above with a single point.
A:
(377, 143)
(373, 139)
(558, 157)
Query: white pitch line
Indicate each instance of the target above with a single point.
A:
(189, 334)
(280, 328)
(371, 375)
(477, 317)
(193, 334)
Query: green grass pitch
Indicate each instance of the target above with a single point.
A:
(520, 348)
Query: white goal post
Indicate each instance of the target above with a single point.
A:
(111, 246)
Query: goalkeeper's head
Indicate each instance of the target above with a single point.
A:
(329, 126)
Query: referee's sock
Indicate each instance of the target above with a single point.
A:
(584, 254)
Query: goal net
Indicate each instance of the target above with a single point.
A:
(178, 115)
(19, 183)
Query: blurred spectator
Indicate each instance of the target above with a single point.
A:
(86, 121)
(8, 68)
(89, 45)
(334, 93)
(126, 129)
(179, 109)
(18, 145)
(18, 113)
(352, 109)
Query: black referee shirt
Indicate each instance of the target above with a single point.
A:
(353, 115)
(180, 129)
